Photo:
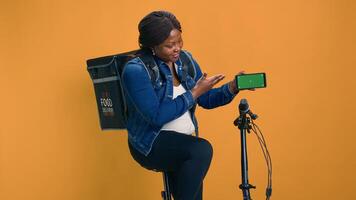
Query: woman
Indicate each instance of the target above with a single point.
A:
(161, 119)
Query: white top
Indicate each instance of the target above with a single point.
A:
(184, 123)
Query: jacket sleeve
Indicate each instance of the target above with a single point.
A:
(216, 96)
(138, 87)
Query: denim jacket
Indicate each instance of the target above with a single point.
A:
(150, 105)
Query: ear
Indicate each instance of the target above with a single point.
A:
(153, 50)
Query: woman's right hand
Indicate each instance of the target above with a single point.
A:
(205, 83)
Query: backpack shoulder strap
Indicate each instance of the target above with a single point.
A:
(188, 64)
(150, 64)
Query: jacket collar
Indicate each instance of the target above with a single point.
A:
(160, 62)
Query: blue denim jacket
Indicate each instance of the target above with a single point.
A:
(150, 106)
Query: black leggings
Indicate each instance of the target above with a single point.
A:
(186, 159)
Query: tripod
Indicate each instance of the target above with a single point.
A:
(243, 122)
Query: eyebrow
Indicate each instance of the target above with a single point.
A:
(172, 42)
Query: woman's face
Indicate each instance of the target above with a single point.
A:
(169, 49)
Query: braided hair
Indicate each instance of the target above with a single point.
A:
(156, 27)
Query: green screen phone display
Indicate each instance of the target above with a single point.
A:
(250, 81)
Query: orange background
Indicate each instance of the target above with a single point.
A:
(51, 146)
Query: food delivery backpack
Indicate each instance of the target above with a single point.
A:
(106, 72)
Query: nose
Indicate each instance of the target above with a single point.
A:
(177, 48)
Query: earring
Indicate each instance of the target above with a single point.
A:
(153, 51)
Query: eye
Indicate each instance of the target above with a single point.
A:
(168, 46)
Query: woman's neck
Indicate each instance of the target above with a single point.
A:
(170, 64)
(175, 80)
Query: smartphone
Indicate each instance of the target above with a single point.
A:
(250, 81)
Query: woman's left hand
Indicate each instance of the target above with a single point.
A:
(233, 86)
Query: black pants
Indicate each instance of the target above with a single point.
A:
(186, 159)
